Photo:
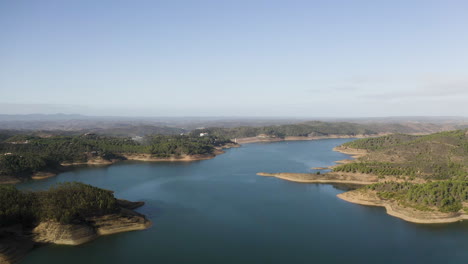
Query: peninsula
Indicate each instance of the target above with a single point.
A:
(24, 157)
(421, 179)
(31, 219)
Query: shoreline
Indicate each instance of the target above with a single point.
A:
(320, 178)
(354, 153)
(366, 197)
(185, 158)
(369, 198)
(64, 167)
(330, 177)
(43, 175)
(17, 241)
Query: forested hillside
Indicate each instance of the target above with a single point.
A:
(21, 155)
(318, 128)
(430, 173)
(65, 203)
(441, 155)
(445, 196)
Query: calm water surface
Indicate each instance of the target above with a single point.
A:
(219, 211)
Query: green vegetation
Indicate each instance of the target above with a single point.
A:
(15, 206)
(314, 128)
(65, 203)
(166, 146)
(446, 196)
(439, 156)
(22, 164)
(377, 168)
(138, 130)
(22, 155)
(380, 142)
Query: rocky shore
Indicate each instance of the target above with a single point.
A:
(17, 241)
(393, 208)
(368, 197)
(98, 161)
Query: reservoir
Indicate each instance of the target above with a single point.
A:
(220, 211)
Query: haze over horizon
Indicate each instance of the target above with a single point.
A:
(242, 58)
(131, 115)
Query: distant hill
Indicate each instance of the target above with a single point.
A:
(233, 126)
(43, 117)
(319, 128)
(129, 125)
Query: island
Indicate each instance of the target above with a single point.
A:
(67, 214)
(418, 178)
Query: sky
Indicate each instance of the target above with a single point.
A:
(330, 58)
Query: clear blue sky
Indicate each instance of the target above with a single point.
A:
(243, 58)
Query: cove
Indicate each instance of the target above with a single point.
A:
(220, 211)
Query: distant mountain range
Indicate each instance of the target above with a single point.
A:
(139, 126)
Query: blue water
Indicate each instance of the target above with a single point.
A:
(220, 211)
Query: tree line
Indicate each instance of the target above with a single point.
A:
(446, 196)
(23, 155)
(66, 203)
(438, 156)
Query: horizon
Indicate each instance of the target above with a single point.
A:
(235, 116)
(329, 59)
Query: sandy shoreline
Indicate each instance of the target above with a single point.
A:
(67, 166)
(184, 158)
(370, 198)
(42, 175)
(330, 177)
(354, 153)
(322, 178)
(146, 157)
(367, 197)
(248, 140)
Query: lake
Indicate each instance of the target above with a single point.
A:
(220, 211)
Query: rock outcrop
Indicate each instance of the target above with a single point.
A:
(16, 241)
(393, 208)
